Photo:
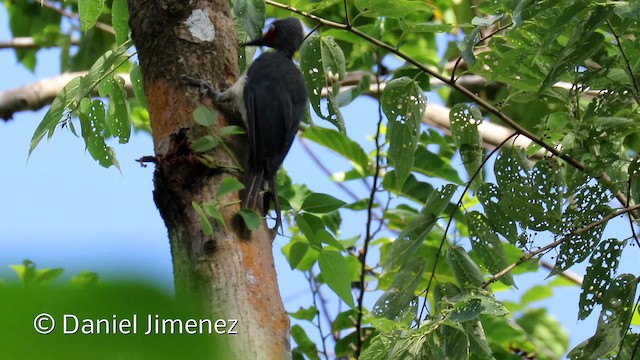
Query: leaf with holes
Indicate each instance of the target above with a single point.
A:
(138, 85)
(81, 87)
(322, 61)
(602, 268)
(465, 270)
(397, 303)
(118, 122)
(334, 269)
(487, 245)
(93, 123)
(489, 196)
(464, 130)
(587, 206)
(413, 235)
(617, 310)
(403, 104)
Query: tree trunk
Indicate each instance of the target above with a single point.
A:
(231, 274)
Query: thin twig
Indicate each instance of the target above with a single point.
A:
(633, 229)
(603, 178)
(99, 25)
(552, 245)
(346, 13)
(367, 238)
(324, 168)
(313, 286)
(626, 60)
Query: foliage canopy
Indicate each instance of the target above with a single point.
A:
(440, 240)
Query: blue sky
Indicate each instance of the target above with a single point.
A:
(61, 209)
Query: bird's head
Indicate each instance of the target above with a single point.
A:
(285, 35)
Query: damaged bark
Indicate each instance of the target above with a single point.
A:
(231, 274)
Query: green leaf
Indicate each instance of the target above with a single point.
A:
(85, 278)
(305, 313)
(89, 11)
(403, 103)
(487, 245)
(232, 130)
(536, 293)
(47, 276)
(321, 58)
(456, 342)
(213, 211)
(466, 271)
(345, 97)
(464, 129)
(297, 253)
(120, 20)
(305, 345)
(433, 165)
(392, 8)
(412, 237)
(207, 229)
(26, 272)
(118, 122)
(93, 124)
(321, 203)
(334, 267)
(250, 15)
(204, 116)
(341, 144)
(205, 143)
(308, 259)
(138, 85)
(229, 185)
(251, 219)
(542, 328)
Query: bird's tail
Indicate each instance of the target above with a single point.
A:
(253, 186)
(273, 191)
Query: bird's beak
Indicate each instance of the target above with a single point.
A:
(256, 42)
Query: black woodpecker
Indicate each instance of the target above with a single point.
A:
(271, 97)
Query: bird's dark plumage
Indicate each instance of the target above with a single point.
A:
(275, 98)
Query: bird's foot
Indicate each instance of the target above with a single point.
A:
(206, 89)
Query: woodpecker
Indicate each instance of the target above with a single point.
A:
(271, 98)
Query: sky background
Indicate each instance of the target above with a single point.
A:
(62, 209)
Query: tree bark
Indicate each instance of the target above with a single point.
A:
(229, 275)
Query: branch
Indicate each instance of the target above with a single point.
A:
(603, 178)
(26, 43)
(36, 95)
(543, 249)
